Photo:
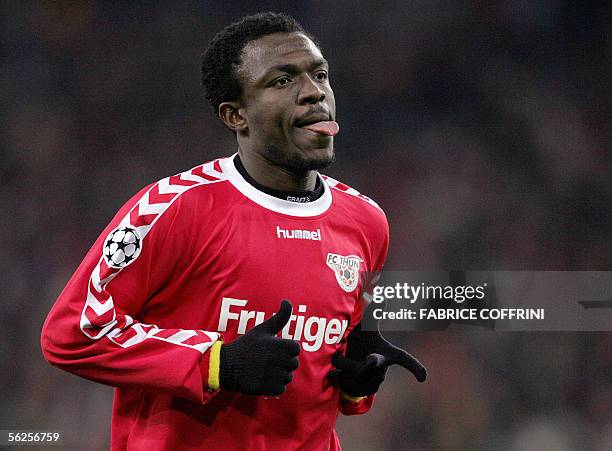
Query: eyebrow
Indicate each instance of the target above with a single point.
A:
(293, 68)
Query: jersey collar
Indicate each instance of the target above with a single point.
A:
(300, 209)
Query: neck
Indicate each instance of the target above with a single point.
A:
(276, 177)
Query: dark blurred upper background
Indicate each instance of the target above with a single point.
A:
(482, 128)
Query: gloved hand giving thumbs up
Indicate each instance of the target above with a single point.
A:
(259, 362)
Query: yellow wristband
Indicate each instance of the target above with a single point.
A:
(351, 398)
(214, 364)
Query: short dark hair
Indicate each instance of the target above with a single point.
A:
(223, 55)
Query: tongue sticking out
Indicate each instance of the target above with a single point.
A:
(329, 128)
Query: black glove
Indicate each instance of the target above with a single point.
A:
(259, 362)
(368, 355)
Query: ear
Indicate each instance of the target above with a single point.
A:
(232, 115)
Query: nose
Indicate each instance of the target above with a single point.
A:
(311, 92)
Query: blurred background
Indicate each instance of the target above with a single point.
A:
(482, 128)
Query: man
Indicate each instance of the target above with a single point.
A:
(180, 302)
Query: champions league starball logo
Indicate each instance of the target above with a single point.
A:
(122, 247)
(346, 269)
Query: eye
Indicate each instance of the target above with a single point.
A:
(283, 81)
(321, 76)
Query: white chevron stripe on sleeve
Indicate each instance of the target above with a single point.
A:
(209, 169)
(121, 324)
(165, 187)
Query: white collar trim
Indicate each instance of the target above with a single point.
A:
(306, 209)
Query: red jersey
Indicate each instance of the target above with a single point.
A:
(204, 256)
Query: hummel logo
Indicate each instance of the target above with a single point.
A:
(296, 234)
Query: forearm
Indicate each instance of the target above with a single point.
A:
(130, 354)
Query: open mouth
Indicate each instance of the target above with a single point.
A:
(322, 126)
